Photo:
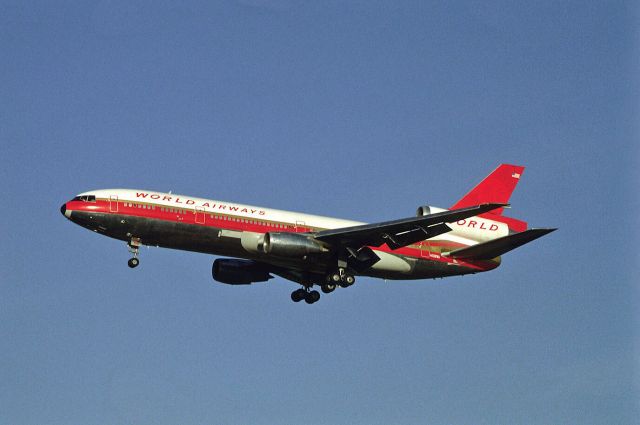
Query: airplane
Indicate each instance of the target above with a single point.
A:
(312, 250)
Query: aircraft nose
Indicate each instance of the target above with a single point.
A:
(63, 209)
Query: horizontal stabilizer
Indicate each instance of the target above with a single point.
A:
(497, 247)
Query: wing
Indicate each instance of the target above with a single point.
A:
(399, 233)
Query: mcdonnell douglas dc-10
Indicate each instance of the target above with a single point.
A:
(309, 249)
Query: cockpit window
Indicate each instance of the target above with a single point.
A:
(85, 198)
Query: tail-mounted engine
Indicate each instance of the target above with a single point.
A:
(427, 209)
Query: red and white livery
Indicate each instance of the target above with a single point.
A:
(314, 250)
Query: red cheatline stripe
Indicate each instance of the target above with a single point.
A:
(250, 224)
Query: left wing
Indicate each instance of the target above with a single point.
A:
(399, 233)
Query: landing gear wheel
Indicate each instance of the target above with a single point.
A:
(328, 288)
(298, 295)
(347, 280)
(312, 297)
(134, 248)
(335, 278)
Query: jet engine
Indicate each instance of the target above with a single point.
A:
(427, 209)
(239, 272)
(282, 244)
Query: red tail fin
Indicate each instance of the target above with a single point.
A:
(496, 187)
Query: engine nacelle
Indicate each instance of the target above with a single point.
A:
(239, 272)
(428, 209)
(282, 244)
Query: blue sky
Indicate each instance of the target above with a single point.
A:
(361, 110)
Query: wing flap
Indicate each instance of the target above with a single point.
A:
(416, 235)
(497, 247)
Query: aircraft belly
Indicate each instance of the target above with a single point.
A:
(189, 237)
(399, 267)
(391, 263)
(217, 241)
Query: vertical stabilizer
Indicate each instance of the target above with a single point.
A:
(497, 187)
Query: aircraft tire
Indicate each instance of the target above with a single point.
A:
(347, 281)
(328, 288)
(312, 297)
(133, 262)
(298, 295)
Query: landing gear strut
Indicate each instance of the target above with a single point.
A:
(341, 277)
(305, 294)
(134, 248)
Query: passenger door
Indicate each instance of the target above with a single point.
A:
(200, 215)
(113, 203)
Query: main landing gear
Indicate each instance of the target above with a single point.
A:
(340, 278)
(305, 294)
(134, 248)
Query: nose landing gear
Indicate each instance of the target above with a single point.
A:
(134, 248)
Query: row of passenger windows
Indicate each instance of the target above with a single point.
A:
(143, 206)
(247, 221)
(153, 207)
(215, 217)
(173, 210)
